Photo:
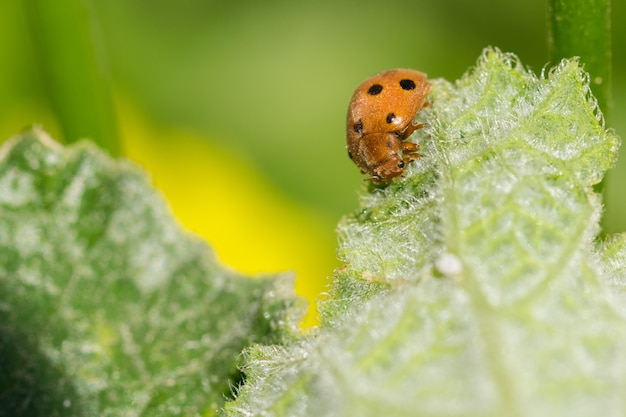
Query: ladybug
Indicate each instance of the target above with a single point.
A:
(380, 119)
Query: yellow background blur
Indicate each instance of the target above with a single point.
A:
(237, 110)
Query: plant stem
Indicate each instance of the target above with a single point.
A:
(583, 28)
(72, 63)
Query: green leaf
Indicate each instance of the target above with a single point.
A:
(473, 286)
(108, 308)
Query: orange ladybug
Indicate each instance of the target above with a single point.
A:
(380, 119)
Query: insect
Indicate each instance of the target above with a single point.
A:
(380, 119)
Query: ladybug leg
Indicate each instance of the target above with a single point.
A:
(410, 151)
(410, 158)
(409, 147)
(412, 127)
(375, 179)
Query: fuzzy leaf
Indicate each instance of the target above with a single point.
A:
(471, 287)
(108, 308)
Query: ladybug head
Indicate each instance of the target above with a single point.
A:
(379, 155)
(383, 156)
(391, 167)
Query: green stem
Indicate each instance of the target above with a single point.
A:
(73, 70)
(583, 28)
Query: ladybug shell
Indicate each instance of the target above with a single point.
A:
(383, 105)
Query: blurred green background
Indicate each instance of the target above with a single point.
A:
(237, 109)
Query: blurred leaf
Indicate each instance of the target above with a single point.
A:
(471, 287)
(74, 68)
(107, 307)
(195, 172)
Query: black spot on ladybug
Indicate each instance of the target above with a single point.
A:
(375, 89)
(350, 155)
(390, 144)
(407, 84)
(390, 117)
(401, 164)
(358, 127)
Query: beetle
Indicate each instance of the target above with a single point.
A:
(380, 119)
